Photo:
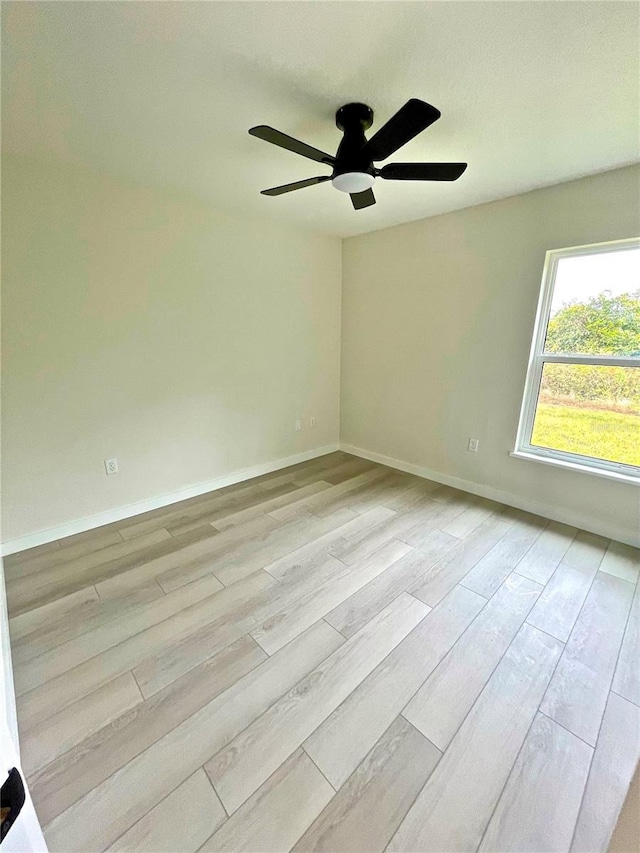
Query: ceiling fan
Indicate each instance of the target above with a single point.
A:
(353, 169)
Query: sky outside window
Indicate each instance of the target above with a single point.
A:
(581, 277)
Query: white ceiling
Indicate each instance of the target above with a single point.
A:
(531, 94)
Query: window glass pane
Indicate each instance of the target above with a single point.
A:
(590, 410)
(596, 305)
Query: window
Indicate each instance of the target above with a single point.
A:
(581, 406)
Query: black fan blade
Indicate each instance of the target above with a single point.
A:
(408, 122)
(276, 137)
(298, 185)
(422, 171)
(365, 199)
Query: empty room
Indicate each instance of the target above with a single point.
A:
(320, 426)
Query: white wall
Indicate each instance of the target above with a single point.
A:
(145, 326)
(437, 325)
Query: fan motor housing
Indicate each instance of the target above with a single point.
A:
(353, 120)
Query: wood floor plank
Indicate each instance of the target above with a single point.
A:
(106, 750)
(87, 535)
(278, 813)
(31, 591)
(454, 808)
(257, 498)
(92, 615)
(622, 561)
(557, 608)
(110, 809)
(269, 504)
(542, 559)
(365, 540)
(199, 528)
(338, 468)
(416, 491)
(354, 612)
(416, 527)
(239, 769)
(33, 620)
(137, 611)
(182, 821)
(306, 474)
(76, 651)
(326, 501)
(42, 743)
(316, 469)
(365, 813)
(448, 494)
(419, 507)
(11, 560)
(278, 630)
(328, 542)
(147, 524)
(614, 762)
(229, 501)
(626, 680)
(446, 697)
(97, 541)
(493, 569)
(381, 493)
(87, 676)
(347, 735)
(249, 610)
(241, 560)
(470, 518)
(186, 564)
(44, 573)
(539, 806)
(368, 496)
(349, 469)
(416, 523)
(422, 512)
(451, 569)
(342, 464)
(578, 691)
(123, 564)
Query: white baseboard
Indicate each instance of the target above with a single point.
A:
(41, 537)
(552, 511)
(556, 513)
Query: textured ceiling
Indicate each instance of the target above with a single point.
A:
(531, 94)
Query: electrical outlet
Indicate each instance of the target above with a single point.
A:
(312, 421)
(298, 425)
(473, 445)
(111, 466)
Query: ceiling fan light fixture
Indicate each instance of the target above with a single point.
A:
(353, 172)
(353, 182)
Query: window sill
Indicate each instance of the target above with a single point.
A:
(620, 476)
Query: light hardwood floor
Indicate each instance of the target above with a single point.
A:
(335, 657)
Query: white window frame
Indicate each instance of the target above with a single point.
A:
(537, 359)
